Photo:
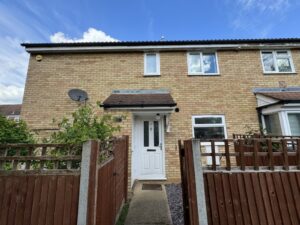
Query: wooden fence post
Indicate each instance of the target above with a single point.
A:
(126, 168)
(88, 184)
(200, 192)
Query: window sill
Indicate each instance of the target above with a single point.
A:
(151, 75)
(279, 73)
(204, 75)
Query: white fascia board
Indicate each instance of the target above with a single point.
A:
(263, 100)
(156, 48)
(272, 109)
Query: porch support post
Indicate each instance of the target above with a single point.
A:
(199, 181)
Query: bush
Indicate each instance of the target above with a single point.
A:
(85, 125)
(14, 132)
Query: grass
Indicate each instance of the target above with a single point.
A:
(123, 214)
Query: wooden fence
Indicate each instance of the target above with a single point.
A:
(232, 191)
(112, 184)
(58, 184)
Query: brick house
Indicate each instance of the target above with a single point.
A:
(168, 90)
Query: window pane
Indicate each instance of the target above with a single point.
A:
(151, 61)
(282, 54)
(294, 120)
(284, 65)
(273, 124)
(209, 132)
(194, 63)
(208, 120)
(156, 133)
(209, 63)
(268, 61)
(146, 133)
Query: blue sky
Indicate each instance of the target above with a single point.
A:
(130, 20)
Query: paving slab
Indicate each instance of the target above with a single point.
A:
(148, 207)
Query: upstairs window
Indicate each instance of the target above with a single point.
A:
(200, 63)
(151, 64)
(277, 61)
(209, 127)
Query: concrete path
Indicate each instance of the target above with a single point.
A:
(148, 207)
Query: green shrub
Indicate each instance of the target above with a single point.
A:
(83, 126)
(14, 132)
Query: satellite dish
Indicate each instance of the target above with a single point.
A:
(78, 95)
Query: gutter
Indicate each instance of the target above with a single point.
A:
(145, 48)
(106, 106)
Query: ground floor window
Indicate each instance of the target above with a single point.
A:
(272, 124)
(209, 127)
(294, 122)
(283, 122)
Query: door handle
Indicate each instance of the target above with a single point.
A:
(151, 150)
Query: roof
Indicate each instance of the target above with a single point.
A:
(142, 100)
(7, 110)
(174, 42)
(281, 94)
(285, 96)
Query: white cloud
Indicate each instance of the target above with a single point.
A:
(10, 94)
(14, 62)
(265, 5)
(258, 18)
(91, 35)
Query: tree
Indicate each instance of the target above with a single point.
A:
(14, 132)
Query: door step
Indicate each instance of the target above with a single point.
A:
(151, 187)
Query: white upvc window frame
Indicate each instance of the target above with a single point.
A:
(201, 62)
(14, 117)
(274, 53)
(157, 73)
(288, 127)
(223, 124)
(283, 118)
(207, 145)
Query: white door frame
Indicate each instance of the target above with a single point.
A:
(136, 152)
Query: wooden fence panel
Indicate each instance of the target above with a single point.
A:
(38, 199)
(256, 190)
(270, 202)
(112, 184)
(43, 189)
(189, 184)
(106, 193)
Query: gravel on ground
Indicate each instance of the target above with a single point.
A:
(174, 194)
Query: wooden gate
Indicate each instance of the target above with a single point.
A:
(188, 183)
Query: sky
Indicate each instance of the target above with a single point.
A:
(131, 20)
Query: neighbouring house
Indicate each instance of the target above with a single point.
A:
(162, 91)
(11, 111)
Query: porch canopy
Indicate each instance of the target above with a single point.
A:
(279, 110)
(139, 99)
(270, 96)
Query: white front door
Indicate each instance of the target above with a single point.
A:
(149, 149)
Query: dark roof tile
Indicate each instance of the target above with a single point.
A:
(138, 100)
(170, 43)
(7, 110)
(284, 96)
